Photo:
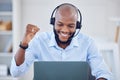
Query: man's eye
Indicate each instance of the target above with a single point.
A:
(72, 26)
(60, 24)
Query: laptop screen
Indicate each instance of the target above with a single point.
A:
(47, 70)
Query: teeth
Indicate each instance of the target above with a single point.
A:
(64, 34)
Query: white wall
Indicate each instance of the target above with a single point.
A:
(96, 16)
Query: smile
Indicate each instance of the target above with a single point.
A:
(64, 35)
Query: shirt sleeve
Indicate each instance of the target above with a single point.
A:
(17, 71)
(97, 63)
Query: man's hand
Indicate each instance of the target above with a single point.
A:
(31, 30)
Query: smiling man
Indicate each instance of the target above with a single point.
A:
(65, 25)
(64, 43)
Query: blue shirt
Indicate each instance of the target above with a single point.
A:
(43, 47)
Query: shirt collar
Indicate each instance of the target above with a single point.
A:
(52, 41)
(75, 41)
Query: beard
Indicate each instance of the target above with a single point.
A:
(63, 42)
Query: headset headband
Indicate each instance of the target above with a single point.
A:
(52, 19)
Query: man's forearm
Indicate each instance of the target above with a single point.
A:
(20, 56)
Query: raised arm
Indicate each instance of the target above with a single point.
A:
(29, 34)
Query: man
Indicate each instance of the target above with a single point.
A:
(60, 45)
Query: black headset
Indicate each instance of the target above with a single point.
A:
(78, 23)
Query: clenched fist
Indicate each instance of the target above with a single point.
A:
(31, 30)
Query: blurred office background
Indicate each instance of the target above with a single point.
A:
(101, 20)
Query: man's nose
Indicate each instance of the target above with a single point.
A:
(65, 29)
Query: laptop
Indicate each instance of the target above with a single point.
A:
(58, 70)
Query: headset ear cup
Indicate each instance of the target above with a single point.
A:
(52, 21)
(78, 25)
